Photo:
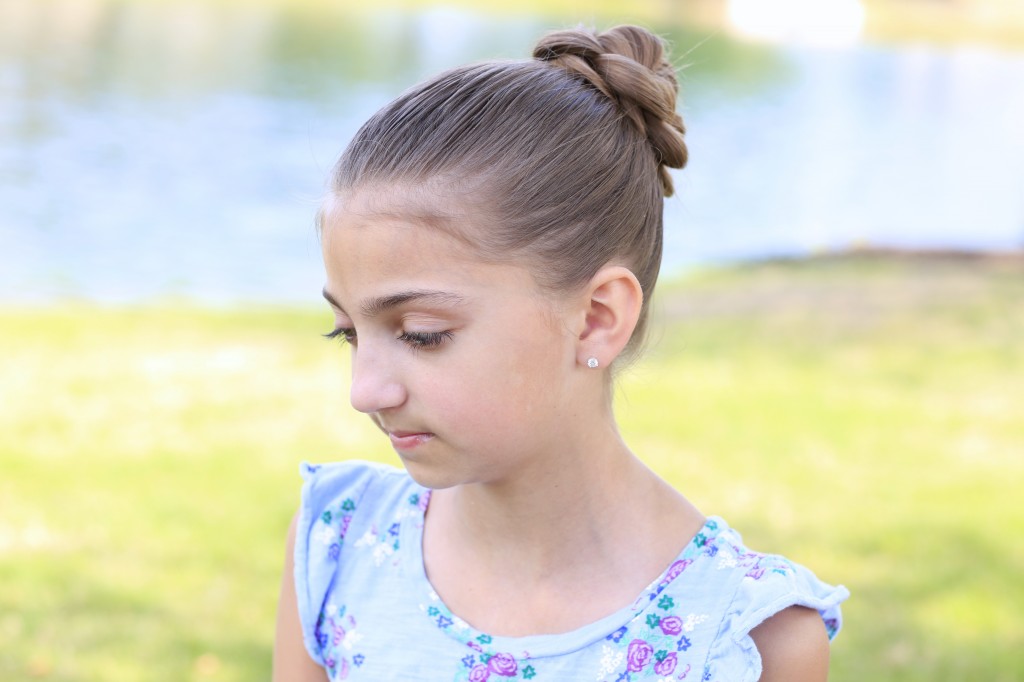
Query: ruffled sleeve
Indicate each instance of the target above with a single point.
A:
(331, 494)
(772, 584)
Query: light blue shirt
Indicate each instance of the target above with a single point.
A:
(368, 611)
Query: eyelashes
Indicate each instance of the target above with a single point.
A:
(342, 334)
(415, 340)
(425, 339)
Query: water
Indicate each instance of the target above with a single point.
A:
(179, 149)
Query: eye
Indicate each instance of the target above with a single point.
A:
(342, 334)
(425, 339)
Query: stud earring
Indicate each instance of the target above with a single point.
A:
(592, 363)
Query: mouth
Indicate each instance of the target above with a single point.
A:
(402, 439)
(407, 440)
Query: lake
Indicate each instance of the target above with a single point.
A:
(179, 149)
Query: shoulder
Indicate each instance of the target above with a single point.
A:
(342, 504)
(350, 479)
(334, 493)
(779, 618)
(793, 645)
(340, 499)
(291, 661)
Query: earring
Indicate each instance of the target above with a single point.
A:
(592, 363)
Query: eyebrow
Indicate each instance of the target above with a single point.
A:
(380, 304)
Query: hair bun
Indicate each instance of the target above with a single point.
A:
(628, 65)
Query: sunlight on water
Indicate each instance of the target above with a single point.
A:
(817, 23)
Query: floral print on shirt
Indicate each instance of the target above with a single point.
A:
(654, 643)
(482, 661)
(670, 632)
(335, 632)
(337, 636)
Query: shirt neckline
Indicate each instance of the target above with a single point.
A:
(537, 646)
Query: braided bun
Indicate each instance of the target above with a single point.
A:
(628, 65)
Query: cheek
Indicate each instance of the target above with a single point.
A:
(523, 381)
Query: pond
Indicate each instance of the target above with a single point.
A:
(179, 149)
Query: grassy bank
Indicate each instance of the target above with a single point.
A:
(861, 415)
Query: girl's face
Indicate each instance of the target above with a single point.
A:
(467, 365)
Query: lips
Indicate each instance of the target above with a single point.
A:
(406, 440)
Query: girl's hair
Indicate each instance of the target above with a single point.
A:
(560, 160)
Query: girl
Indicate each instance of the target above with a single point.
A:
(491, 242)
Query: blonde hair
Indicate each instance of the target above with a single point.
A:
(562, 159)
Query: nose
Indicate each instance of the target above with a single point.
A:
(375, 385)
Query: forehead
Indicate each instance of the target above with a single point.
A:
(374, 245)
(433, 206)
(398, 222)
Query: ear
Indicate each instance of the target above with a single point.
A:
(611, 302)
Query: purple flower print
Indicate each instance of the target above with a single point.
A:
(638, 655)
(678, 567)
(503, 664)
(755, 573)
(666, 665)
(831, 627)
(672, 625)
(343, 669)
(479, 673)
(334, 550)
(673, 572)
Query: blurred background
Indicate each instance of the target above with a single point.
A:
(837, 369)
(156, 149)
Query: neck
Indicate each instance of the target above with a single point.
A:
(589, 526)
(579, 506)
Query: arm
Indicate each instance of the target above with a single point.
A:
(793, 645)
(291, 661)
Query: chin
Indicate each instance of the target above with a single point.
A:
(430, 477)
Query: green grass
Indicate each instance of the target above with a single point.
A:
(862, 415)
